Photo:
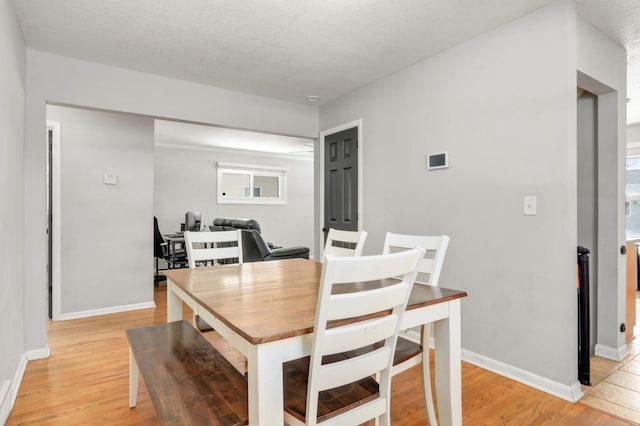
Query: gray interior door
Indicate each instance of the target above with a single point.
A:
(341, 181)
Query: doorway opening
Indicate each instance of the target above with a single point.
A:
(632, 231)
(600, 213)
(144, 175)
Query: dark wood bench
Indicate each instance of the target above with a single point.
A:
(189, 381)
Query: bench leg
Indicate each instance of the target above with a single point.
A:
(133, 380)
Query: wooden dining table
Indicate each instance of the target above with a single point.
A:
(266, 310)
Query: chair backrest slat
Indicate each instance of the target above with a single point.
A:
(435, 249)
(355, 305)
(338, 373)
(344, 339)
(344, 243)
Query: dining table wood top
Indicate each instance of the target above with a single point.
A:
(274, 300)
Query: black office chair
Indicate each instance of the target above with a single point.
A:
(160, 251)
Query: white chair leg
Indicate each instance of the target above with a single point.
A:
(426, 375)
(133, 380)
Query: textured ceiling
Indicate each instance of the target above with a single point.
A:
(620, 20)
(287, 49)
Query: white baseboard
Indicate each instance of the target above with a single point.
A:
(614, 354)
(9, 389)
(569, 393)
(37, 354)
(5, 401)
(106, 311)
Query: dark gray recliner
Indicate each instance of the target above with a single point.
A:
(254, 247)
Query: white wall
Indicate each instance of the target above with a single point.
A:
(56, 79)
(185, 179)
(106, 229)
(504, 106)
(12, 100)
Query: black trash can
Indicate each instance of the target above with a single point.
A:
(584, 362)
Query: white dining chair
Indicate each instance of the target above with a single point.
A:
(329, 389)
(208, 247)
(205, 247)
(344, 243)
(408, 352)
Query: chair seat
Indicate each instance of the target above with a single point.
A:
(202, 325)
(405, 350)
(288, 253)
(331, 402)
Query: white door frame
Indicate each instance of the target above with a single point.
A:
(56, 224)
(323, 134)
(610, 285)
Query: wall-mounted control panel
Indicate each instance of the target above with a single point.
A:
(439, 160)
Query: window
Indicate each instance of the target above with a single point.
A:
(251, 184)
(632, 202)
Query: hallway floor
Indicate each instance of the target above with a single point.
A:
(616, 385)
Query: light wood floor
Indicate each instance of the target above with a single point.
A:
(616, 385)
(85, 381)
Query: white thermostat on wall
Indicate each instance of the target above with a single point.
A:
(438, 161)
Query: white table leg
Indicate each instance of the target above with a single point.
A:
(426, 375)
(133, 380)
(448, 368)
(174, 304)
(265, 385)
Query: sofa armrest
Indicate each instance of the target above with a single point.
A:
(288, 253)
(254, 248)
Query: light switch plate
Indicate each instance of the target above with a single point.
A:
(530, 205)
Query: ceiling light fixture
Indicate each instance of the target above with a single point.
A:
(313, 98)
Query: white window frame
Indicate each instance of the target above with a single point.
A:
(252, 170)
